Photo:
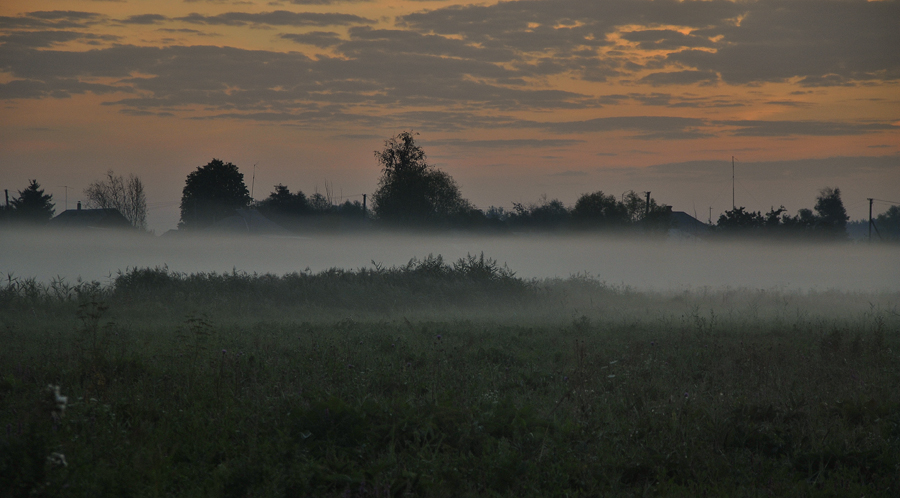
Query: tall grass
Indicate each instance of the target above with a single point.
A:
(443, 380)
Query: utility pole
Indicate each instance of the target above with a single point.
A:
(6, 191)
(870, 219)
(732, 184)
(364, 205)
(253, 182)
(710, 215)
(647, 208)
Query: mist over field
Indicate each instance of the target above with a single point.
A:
(642, 263)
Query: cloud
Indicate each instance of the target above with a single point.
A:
(448, 68)
(569, 173)
(326, 2)
(836, 41)
(507, 144)
(686, 77)
(754, 42)
(57, 89)
(648, 127)
(55, 19)
(145, 19)
(322, 39)
(758, 128)
(39, 39)
(665, 39)
(276, 18)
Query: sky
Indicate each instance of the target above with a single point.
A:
(515, 100)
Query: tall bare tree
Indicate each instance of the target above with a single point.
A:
(124, 194)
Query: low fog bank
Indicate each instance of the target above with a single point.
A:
(640, 263)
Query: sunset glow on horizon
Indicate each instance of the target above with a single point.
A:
(515, 100)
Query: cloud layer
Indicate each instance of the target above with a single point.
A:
(466, 62)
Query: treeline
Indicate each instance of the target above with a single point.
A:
(414, 194)
(592, 211)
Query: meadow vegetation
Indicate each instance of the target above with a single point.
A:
(443, 379)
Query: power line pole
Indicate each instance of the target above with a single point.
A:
(732, 184)
(870, 219)
(253, 182)
(647, 209)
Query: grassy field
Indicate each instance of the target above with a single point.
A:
(438, 379)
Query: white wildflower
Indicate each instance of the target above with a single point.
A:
(59, 402)
(57, 459)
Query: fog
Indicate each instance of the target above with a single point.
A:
(640, 263)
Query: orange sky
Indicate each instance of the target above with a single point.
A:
(514, 99)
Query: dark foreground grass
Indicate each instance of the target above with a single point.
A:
(443, 380)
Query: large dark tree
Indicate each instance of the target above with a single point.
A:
(888, 223)
(832, 217)
(410, 190)
(600, 210)
(33, 205)
(212, 193)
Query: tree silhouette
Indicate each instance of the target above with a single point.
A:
(117, 192)
(33, 205)
(410, 190)
(212, 193)
(888, 223)
(545, 214)
(832, 217)
(738, 219)
(282, 202)
(600, 210)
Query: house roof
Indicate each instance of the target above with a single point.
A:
(687, 223)
(90, 218)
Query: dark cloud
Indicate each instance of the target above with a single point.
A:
(322, 39)
(752, 128)
(365, 41)
(145, 19)
(56, 88)
(55, 19)
(507, 144)
(569, 173)
(686, 77)
(649, 127)
(187, 31)
(835, 41)
(665, 39)
(824, 43)
(276, 18)
(326, 2)
(826, 80)
(39, 39)
(42, 39)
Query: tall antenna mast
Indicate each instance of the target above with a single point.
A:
(67, 194)
(732, 183)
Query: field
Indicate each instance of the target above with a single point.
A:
(443, 379)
